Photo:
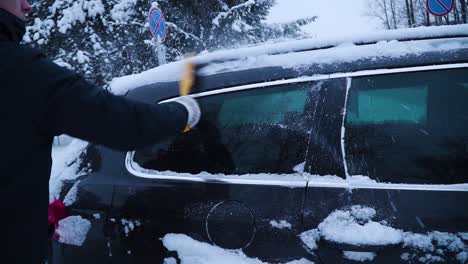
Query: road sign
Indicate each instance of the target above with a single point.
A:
(157, 24)
(440, 7)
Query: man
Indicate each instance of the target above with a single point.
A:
(40, 100)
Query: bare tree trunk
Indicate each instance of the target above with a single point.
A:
(387, 20)
(413, 19)
(393, 13)
(456, 14)
(408, 13)
(428, 18)
(463, 10)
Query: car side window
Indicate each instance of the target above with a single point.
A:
(409, 127)
(263, 130)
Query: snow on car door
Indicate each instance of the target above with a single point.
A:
(236, 179)
(407, 133)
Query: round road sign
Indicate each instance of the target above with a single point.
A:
(157, 24)
(440, 7)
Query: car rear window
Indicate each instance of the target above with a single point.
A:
(262, 130)
(409, 127)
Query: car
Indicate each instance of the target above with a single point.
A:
(332, 151)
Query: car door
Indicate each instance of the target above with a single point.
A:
(403, 195)
(235, 180)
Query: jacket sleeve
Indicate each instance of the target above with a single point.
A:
(75, 107)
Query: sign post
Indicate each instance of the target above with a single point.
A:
(440, 7)
(157, 25)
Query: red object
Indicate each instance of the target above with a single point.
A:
(57, 211)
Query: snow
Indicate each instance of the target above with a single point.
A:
(343, 129)
(299, 168)
(170, 261)
(310, 238)
(129, 225)
(82, 57)
(224, 15)
(432, 240)
(463, 236)
(359, 256)
(71, 196)
(191, 251)
(123, 11)
(97, 216)
(78, 12)
(73, 230)
(294, 180)
(65, 166)
(428, 258)
(343, 51)
(60, 62)
(355, 227)
(281, 224)
(462, 257)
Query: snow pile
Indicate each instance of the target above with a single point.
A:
(191, 251)
(73, 230)
(281, 224)
(359, 256)
(355, 226)
(432, 240)
(433, 246)
(343, 51)
(65, 166)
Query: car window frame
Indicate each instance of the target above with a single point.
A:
(136, 170)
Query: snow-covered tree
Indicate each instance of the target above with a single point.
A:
(105, 39)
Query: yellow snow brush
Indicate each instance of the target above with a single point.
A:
(187, 82)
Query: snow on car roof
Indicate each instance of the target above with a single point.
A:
(299, 53)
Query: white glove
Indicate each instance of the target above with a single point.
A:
(193, 109)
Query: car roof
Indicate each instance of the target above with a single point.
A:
(291, 59)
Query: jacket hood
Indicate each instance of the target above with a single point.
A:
(11, 27)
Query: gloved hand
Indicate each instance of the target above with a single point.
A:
(193, 109)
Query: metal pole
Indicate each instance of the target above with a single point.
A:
(161, 52)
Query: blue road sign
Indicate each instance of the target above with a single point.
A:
(157, 24)
(440, 7)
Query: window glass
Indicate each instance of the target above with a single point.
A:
(261, 130)
(409, 127)
(406, 104)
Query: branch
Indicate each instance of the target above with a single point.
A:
(187, 35)
(223, 15)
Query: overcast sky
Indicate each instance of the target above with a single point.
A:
(343, 17)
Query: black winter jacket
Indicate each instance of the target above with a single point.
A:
(40, 100)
